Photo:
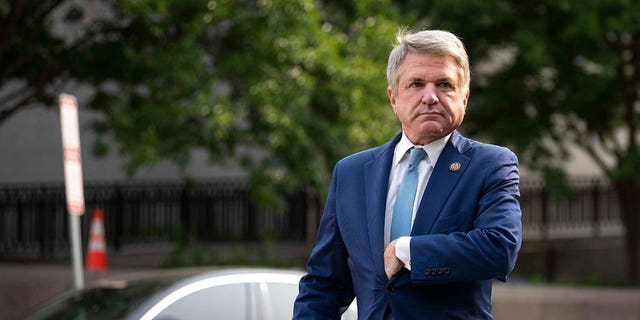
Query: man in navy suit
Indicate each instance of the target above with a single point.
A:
(465, 228)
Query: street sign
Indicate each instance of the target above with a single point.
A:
(73, 180)
(74, 186)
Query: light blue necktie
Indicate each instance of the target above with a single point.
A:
(403, 208)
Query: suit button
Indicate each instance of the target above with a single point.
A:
(447, 271)
(391, 288)
(427, 271)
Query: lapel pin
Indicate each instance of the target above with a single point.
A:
(454, 166)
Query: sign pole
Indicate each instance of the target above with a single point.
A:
(74, 186)
(76, 251)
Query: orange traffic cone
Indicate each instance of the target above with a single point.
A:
(97, 255)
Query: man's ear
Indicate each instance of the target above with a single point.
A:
(466, 97)
(392, 99)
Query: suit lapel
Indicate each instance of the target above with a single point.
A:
(444, 177)
(376, 179)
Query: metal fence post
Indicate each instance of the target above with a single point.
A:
(41, 217)
(185, 213)
(118, 219)
(596, 209)
(313, 213)
(549, 250)
(250, 231)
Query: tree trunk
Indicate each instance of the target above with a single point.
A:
(628, 193)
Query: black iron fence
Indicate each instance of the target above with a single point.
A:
(33, 219)
(34, 222)
(584, 208)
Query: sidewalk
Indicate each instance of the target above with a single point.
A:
(24, 286)
(546, 302)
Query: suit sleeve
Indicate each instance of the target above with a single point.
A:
(327, 290)
(490, 248)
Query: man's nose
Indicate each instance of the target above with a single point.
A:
(429, 95)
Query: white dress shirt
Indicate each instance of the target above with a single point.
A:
(398, 168)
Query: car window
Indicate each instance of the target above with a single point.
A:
(97, 303)
(351, 313)
(278, 299)
(219, 302)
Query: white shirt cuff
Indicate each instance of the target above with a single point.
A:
(403, 251)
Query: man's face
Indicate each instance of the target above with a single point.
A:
(431, 98)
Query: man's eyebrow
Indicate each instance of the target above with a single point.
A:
(422, 79)
(444, 78)
(412, 79)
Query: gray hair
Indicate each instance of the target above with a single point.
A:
(427, 42)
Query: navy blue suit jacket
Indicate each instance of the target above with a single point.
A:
(467, 232)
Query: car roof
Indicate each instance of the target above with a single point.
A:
(202, 279)
(169, 285)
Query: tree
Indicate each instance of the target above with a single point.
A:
(311, 87)
(554, 74)
(122, 51)
(287, 87)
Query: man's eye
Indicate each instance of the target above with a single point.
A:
(445, 85)
(416, 84)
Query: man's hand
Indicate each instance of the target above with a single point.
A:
(391, 263)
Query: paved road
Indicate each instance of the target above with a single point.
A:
(24, 286)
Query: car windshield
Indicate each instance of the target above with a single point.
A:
(105, 302)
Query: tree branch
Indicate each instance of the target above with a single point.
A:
(582, 141)
(629, 89)
(616, 147)
(24, 101)
(10, 22)
(50, 71)
(12, 95)
(633, 92)
(48, 10)
(7, 29)
(596, 158)
(590, 150)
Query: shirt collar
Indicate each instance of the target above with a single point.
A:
(433, 149)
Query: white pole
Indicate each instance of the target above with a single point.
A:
(73, 181)
(76, 251)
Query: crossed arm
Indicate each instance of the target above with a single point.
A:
(488, 250)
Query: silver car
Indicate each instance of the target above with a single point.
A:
(243, 294)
